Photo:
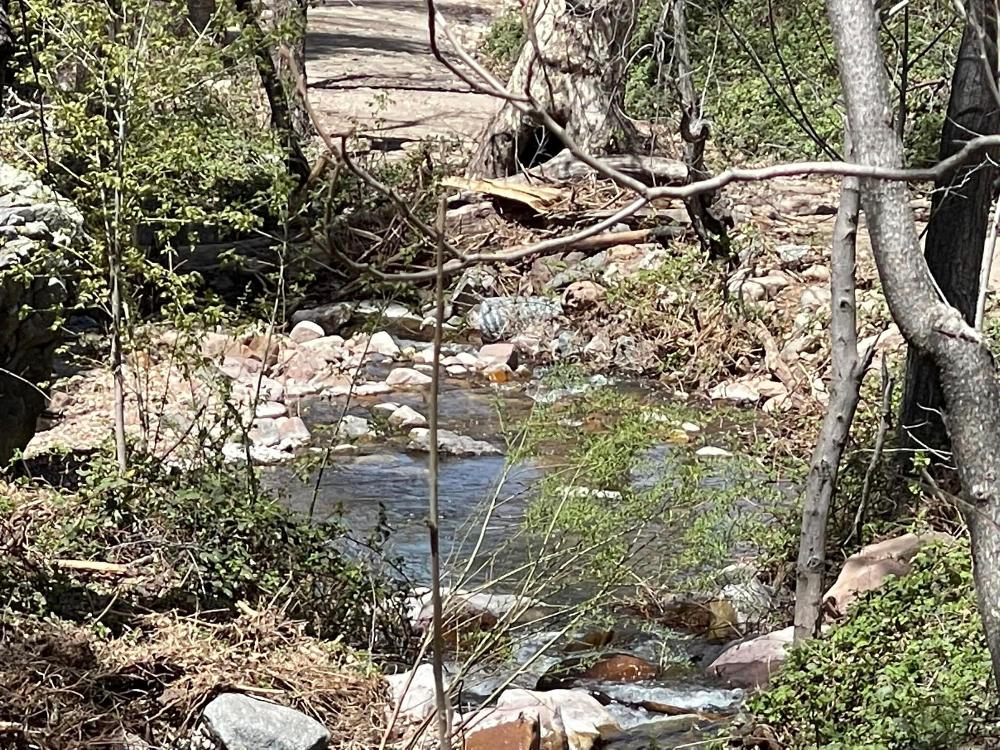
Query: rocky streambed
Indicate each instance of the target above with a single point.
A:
(606, 677)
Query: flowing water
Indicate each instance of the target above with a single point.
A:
(384, 485)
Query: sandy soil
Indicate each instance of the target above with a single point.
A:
(370, 66)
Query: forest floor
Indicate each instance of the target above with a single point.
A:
(371, 69)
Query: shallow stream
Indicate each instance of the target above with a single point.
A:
(384, 484)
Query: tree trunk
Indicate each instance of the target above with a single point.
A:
(573, 66)
(968, 378)
(848, 371)
(280, 100)
(711, 231)
(959, 217)
(290, 18)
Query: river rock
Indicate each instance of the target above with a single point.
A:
(327, 348)
(621, 668)
(306, 330)
(793, 256)
(383, 343)
(751, 663)
(868, 569)
(502, 730)
(351, 427)
(751, 601)
(292, 432)
(264, 432)
(450, 442)
(407, 377)
(257, 386)
(483, 609)
(270, 410)
(571, 719)
(240, 722)
(815, 298)
(405, 417)
(412, 693)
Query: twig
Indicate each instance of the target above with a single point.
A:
(883, 428)
(443, 713)
(987, 265)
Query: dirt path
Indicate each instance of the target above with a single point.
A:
(370, 64)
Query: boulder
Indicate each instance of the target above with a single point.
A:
(407, 377)
(292, 432)
(264, 432)
(240, 722)
(449, 442)
(306, 330)
(412, 693)
(868, 569)
(474, 610)
(405, 417)
(383, 343)
(502, 730)
(751, 663)
(571, 719)
(31, 298)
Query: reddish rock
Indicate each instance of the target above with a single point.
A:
(506, 732)
(868, 569)
(751, 663)
(621, 668)
(493, 355)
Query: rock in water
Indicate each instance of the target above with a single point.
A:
(240, 722)
(449, 442)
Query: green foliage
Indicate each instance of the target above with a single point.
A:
(769, 77)
(628, 478)
(909, 670)
(205, 540)
(503, 41)
(150, 129)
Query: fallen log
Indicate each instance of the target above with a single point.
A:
(652, 170)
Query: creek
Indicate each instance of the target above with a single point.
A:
(384, 486)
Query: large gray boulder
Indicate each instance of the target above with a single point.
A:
(37, 228)
(240, 722)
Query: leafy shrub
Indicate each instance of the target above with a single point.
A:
(772, 88)
(909, 670)
(503, 41)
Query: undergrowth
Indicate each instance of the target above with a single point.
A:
(208, 540)
(909, 670)
(629, 486)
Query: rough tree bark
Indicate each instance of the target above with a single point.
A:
(711, 231)
(959, 217)
(290, 17)
(573, 64)
(968, 377)
(282, 101)
(848, 371)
